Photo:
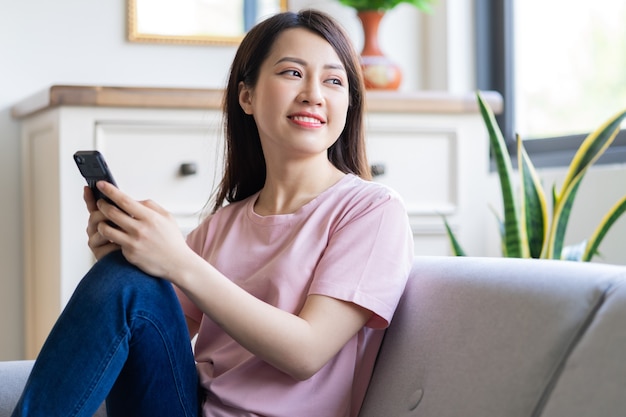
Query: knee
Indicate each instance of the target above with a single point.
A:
(113, 277)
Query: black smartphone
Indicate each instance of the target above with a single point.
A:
(94, 168)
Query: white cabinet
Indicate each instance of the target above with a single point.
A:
(165, 144)
(439, 165)
(159, 158)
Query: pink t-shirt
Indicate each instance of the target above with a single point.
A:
(353, 242)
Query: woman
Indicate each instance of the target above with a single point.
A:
(288, 283)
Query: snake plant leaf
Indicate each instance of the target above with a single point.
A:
(574, 252)
(534, 212)
(512, 238)
(605, 224)
(556, 235)
(500, 224)
(457, 250)
(590, 150)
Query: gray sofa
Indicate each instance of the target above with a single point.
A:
(490, 337)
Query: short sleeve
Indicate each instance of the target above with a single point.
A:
(368, 258)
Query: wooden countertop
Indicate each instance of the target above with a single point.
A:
(436, 102)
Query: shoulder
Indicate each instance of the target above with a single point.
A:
(361, 194)
(358, 203)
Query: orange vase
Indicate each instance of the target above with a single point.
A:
(380, 72)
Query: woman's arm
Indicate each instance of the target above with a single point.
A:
(299, 345)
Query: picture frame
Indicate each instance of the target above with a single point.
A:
(201, 22)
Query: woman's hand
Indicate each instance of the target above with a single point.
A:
(99, 245)
(147, 234)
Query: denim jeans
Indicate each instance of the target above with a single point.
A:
(123, 337)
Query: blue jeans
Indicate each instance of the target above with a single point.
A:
(122, 337)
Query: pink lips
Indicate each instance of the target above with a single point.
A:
(307, 119)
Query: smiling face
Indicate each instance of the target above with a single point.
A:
(300, 100)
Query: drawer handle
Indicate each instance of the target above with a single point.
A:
(187, 169)
(378, 169)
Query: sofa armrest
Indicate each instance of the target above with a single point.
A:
(13, 376)
(504, 337)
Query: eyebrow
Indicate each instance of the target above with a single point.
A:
(304, 63)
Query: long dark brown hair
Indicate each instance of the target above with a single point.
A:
(244, 163)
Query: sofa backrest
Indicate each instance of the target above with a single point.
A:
(504, 337)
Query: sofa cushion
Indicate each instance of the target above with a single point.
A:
(483, 336)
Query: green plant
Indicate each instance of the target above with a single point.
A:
(360, 5)
(525, 229)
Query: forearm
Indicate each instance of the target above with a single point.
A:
(298, 345)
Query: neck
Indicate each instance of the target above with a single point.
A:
(287, 191)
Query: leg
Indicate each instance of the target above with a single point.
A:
(121, 323)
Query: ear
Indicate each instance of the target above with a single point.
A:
(245, 97)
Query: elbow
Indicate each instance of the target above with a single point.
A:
(303, 373)
(303, 369)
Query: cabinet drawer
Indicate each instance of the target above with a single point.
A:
(420, 164)
(175, 165)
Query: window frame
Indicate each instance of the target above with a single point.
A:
(495, 71)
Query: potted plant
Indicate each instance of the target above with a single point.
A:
(378, 71)
(525, 229)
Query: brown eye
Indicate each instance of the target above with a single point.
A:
(293, 73)
(335, 81)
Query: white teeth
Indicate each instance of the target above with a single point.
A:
(306, 119)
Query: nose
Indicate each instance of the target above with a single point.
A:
(311, 93)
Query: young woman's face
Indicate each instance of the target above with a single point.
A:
(301, 98)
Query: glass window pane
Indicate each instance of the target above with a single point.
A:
(570, 65)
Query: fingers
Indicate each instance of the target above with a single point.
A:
(95, 217)
(127, 208)
(112, 192)
(155, 207)
(99, 244)
(147, 234)
(124, 207)
(89, 199)
(95, 237)
(103, 250)
(113, 215)
(116, 224)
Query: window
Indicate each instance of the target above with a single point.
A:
(560, 67)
